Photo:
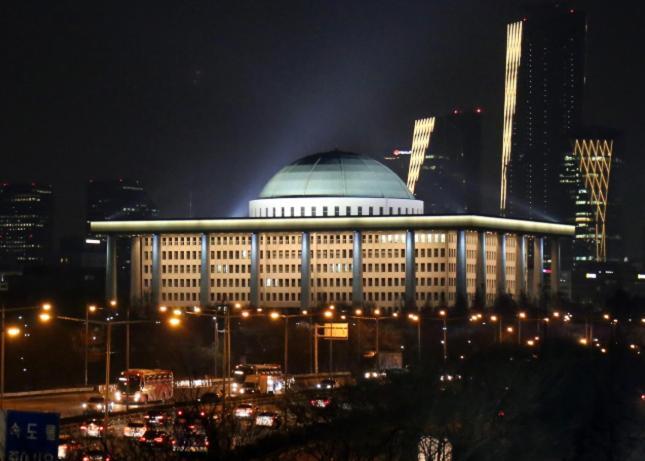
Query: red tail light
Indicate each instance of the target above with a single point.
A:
(142, 439)
(158, 439)
(206, 442)
(201, 413)
(86, 458)
(83, 428)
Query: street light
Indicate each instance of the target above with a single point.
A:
(174, 322)
(498, 320)
(44, 317)
(443, 315)
(163, 309)
(113, 303)
(417, 319)
(520, 316)
(13, 332)
(328, 314)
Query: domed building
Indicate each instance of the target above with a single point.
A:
(334, 184)
(332, 228)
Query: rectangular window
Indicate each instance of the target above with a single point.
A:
(360, 211)
(348, 211)
(336, 211)
(324, 211)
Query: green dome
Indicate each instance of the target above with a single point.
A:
(336, 174)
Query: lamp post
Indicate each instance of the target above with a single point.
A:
(416, 318)
(497, 319)
(520, 316)
(443, 314)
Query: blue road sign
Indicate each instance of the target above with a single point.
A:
(30, 436)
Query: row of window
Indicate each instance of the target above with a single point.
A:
(290, 212)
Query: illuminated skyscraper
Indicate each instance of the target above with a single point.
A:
(26, 221)
(446, 162)
(544, 82)
(596, 199)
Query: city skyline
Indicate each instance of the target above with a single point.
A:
(183, 102)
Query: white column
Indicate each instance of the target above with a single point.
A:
(461, 288)
(357, 269)
(110, 269)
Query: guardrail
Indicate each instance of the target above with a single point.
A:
(43, 392)
(205, 382)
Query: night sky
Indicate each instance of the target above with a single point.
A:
(208, 99)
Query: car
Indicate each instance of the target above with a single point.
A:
(327, 383)
(92, 428)
(95, 455)
(320, 401)
(190, 443)
(244, 411)
(210, 398)
(249, 388)
(268, 419)
(96, 404)
(185, 417)
(155, 418)
(155, 438)
(67, 446)
(373, 375)
(134, 429)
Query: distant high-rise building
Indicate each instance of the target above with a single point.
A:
(398, 161)
(544, 79)
(26, 222)
(593, 168)
(445, 165)
(121, 199)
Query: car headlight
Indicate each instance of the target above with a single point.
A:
(84, 405)
(318, 386)
(137, 396)
(242, 391)
(117, 395)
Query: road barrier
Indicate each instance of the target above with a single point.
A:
(45, 392)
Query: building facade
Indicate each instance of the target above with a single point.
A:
(544, 80)
(384, 260)
(26, 225)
